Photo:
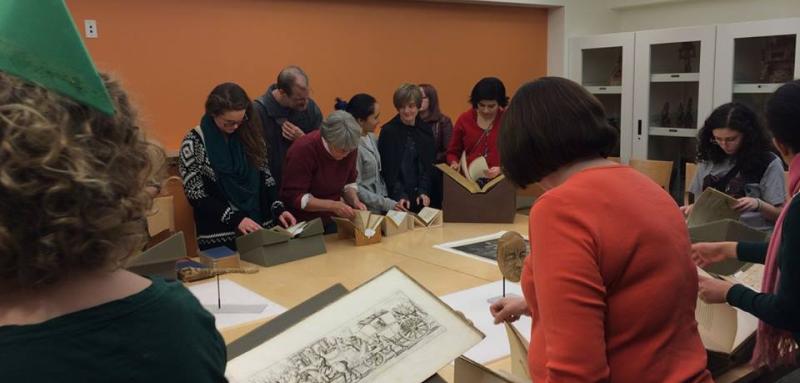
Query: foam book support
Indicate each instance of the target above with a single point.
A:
(269, 248)
(497, 205)
(159, 260)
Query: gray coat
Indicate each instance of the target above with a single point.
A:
(371, 187)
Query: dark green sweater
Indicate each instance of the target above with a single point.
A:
(161, 334)
(782, 309)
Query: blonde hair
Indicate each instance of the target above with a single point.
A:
(72, 181)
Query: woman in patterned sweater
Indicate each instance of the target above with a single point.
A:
(225, 172)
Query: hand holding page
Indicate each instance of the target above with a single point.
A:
(712, 205)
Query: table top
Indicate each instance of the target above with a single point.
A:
(439, 271)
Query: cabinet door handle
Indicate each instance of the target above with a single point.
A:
(640, 128)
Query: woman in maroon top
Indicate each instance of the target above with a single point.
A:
(319, 174)
(476, 129)
(442, 129)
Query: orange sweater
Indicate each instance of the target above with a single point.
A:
(610, 285)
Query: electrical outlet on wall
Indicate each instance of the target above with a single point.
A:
(91, 28)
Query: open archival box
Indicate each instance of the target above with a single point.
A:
(390, 329)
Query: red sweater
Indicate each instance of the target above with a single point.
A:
(309, 168)
(610, 284)
(468, 136)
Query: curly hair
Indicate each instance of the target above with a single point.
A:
(753, 154)
(72, 181)
(228, 97)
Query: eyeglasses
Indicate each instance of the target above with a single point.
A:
(725, 140)
(231, 124)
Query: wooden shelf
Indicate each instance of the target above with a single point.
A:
(672, 132)
(604, 89)
(756, 88)
(675, 77)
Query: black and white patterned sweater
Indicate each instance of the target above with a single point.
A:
(216, 219)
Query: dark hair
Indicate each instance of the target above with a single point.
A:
(783, 115)
(489, 88)
(753, 154)
(434, 113)
(287, 78)
(551, 122)
(361, 106)
(229, 96)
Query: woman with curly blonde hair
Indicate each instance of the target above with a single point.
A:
(72, 181)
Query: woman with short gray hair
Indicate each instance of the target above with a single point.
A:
(319, 175)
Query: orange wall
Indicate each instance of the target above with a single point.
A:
(170, 53)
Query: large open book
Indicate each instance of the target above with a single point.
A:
(712, 205)
(725, 329)
(470, 174)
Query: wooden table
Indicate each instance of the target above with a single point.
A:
(439, 271)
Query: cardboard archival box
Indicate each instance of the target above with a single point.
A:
(270, 247)
(496, 202)
(469, 371)
(364, 229)
(160, 259)
(721, 231)
(397, 222)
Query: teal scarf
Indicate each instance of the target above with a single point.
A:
(237, 177)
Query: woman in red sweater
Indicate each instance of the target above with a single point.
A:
(475, 131)
(609, 283)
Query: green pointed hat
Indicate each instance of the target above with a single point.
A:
(40, 43)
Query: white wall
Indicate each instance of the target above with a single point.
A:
(700, 12)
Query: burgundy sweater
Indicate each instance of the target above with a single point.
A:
(309, 168)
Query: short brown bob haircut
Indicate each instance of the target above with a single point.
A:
(405, 94)
(552, 122)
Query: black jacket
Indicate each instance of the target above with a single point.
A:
(392, 146)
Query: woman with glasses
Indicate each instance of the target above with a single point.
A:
(736, 157)
(476, 130)
(226, 177)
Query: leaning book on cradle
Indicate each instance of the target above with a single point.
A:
(365, 222)
(428, 217)
(472, 172)
(725, 329)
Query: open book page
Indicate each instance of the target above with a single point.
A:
(750, 276)
(428, 214)
(722, 328)
(471, 186)
(297, 229)
(373, 225)
(492, 182)
(361, 220)
(712, 205)
(397, 217)
(477, 169)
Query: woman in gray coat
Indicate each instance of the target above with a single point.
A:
(371, 187)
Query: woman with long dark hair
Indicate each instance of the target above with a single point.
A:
(223, 162)
(442, 129)
(736, 157)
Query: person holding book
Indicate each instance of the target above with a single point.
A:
(442, 129)
(476, 130)
(75, 166)
(736, 157)
(406, 147)
(598, 259)
(226, 177)
(371, 188)
(777, 306)
(319, 179)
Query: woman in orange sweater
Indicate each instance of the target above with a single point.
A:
(609, 283)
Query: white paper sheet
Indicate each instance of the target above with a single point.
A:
(474, 303)
(234, 298)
